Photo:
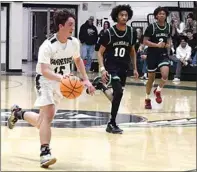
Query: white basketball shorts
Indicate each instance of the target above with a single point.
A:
(47, 91)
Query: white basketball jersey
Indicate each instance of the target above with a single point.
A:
(58, 55)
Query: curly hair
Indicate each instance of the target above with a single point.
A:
(119, 8)
(158, 9)
(60, 17)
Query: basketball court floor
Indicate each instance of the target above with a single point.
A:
(161, 139)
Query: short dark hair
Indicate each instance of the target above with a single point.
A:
(189, 30)
(183, 38)
(60, 17)
(158, 9)
(119, 8)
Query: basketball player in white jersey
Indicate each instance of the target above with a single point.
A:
(54, 58)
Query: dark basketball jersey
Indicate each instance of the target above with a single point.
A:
(117, 53)
(158, 34)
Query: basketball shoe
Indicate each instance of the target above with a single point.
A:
(98, 84)
(148, 104)
(158, 96)
(46, 159)
(16, 114)
(113, 128)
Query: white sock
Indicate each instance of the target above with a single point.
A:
(147, 96)
(158, 88)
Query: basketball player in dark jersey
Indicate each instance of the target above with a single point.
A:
(114, 56)
(157, 38)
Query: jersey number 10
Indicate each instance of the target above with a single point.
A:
(119, 52)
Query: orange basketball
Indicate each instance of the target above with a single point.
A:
(71, 87)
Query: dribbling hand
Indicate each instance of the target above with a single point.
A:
(91, 88)
(104, 76)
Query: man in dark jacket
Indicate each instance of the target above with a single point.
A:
(88, 35)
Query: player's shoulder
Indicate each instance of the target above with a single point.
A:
(49, 42)
(73, 39)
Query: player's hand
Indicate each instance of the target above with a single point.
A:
(67, 75)
(167, 46)
(104, 76)
(135, 73)
(91, 88)
(161, 45)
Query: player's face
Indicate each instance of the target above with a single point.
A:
(161, 16)
(68, 27)
(122, 17)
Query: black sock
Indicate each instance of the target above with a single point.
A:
(44, 149)
(20, 114)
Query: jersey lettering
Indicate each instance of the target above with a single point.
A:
(61, 61)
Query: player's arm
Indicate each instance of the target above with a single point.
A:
(44, 56)
(133, 57)
(78, 60)
(148, 33)
(81, 67)
(133, 52)
(104, 40)
(169, 40)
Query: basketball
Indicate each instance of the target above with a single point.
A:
(71, 87)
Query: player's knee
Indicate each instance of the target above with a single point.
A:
(49, 113)
(117, 89)
(164, 78)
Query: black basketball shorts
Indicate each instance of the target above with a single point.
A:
(156, 61)
(119, 75)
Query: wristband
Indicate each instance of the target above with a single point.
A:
(102, 68)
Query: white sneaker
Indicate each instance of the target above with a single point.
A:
(176, 80)
(47, 160)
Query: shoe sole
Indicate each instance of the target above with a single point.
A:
(48, 163)
(10, 119)
(114, 132)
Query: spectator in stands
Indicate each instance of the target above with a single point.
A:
(191, 24)
(183, 57)
(139, 38)
(192, 42)
(177, 30)
(142, 52)
(88, 35)
(141, 56)
(106, 25)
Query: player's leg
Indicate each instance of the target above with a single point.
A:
(118, 83)
(18, 114)
(164, 69)
(98, 84)
(42, 121)
(151, 68)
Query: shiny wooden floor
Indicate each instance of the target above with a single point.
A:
(158, 142)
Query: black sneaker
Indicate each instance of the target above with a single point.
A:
(13, 117)
(113, 128)
(97, 83)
